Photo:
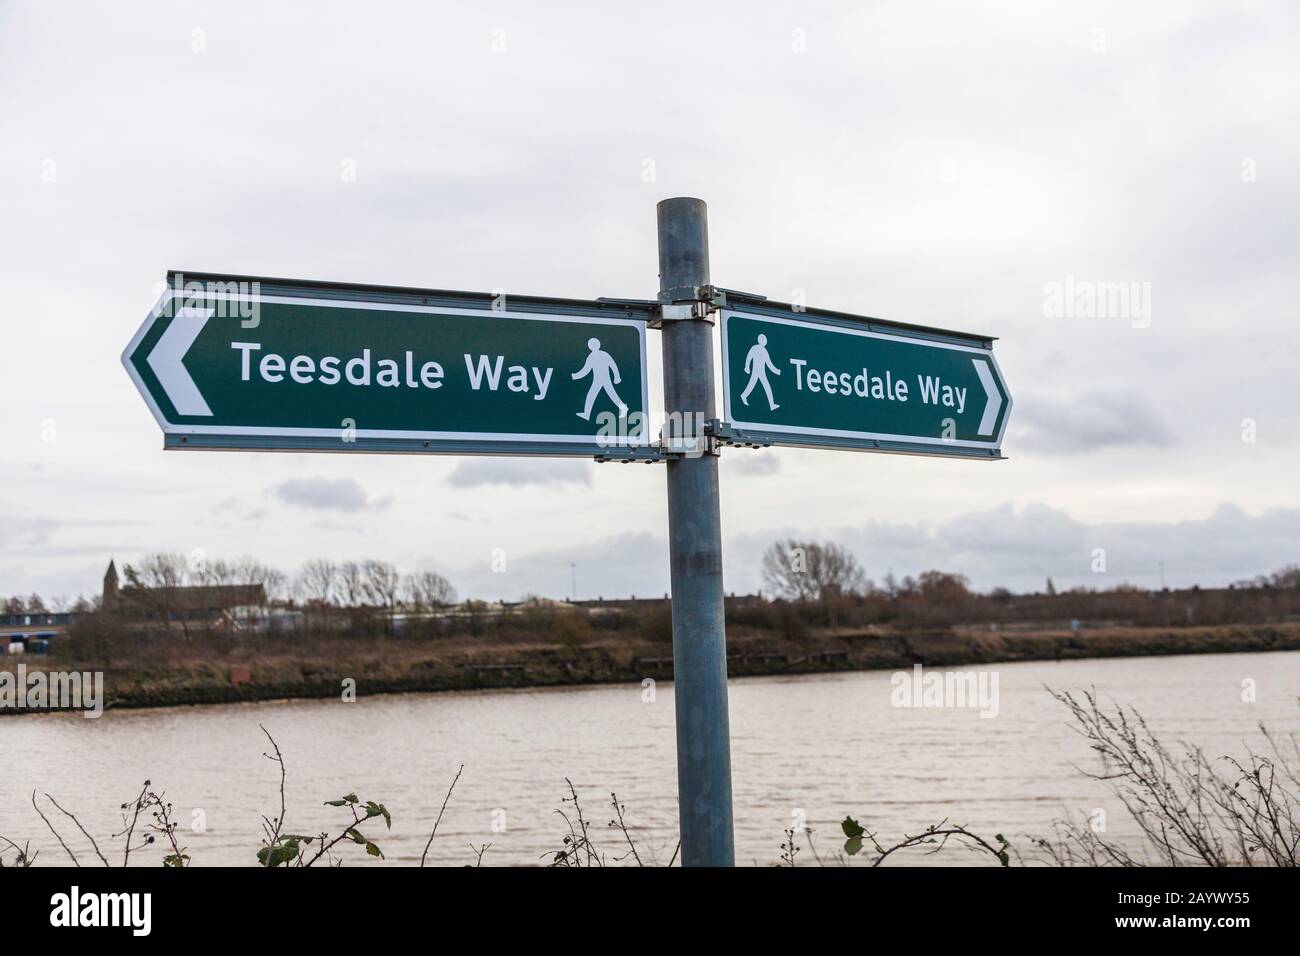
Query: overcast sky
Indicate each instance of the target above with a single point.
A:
(942, 164)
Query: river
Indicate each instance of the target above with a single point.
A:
(811, 747)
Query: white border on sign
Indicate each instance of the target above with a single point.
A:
(595, 441)
(995, 442)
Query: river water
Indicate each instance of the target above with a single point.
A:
(810, 748)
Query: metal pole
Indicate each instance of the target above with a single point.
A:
(695, 547)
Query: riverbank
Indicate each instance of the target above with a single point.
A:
(253, 670)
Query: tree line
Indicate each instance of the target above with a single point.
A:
(319, 583)
(822, 579)
(823, 583)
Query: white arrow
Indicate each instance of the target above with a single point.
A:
(994, 396)
(165, 360)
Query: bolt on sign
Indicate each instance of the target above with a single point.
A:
(225, 362)
(795, 378)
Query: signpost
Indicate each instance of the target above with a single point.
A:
(231, 362)
(795, 378)
(695, 542)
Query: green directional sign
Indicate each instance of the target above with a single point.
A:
(799, 379)
(232, 363)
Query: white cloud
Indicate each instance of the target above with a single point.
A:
(327, 494)
(1087, 422)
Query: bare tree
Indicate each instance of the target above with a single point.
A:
(1189, 809)
(275, 583)
(381, 584)
(318, 581)
(426, 590)
(350, 583)
(250, 571)
(213, 573)
(155, 582)
(809, 571)
(1287, 577)
(158, 570)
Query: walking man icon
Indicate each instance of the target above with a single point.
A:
(758, 363)
(600, 366)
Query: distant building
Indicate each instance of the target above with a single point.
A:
(109, 594)
(31, 632)
(202, 602)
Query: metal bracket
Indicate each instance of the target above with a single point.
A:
(695, 304)
(720, 298)
(683, 293)
(648, 455)
(723, 435)
(678, 448)
(629, 303)
(681, 312)
(713, 444)
(689, 446)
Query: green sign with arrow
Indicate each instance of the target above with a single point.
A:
(235, 364)
(797, 379)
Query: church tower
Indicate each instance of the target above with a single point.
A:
(109, 597)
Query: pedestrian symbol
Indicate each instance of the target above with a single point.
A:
(600, 366)
(758, 363)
